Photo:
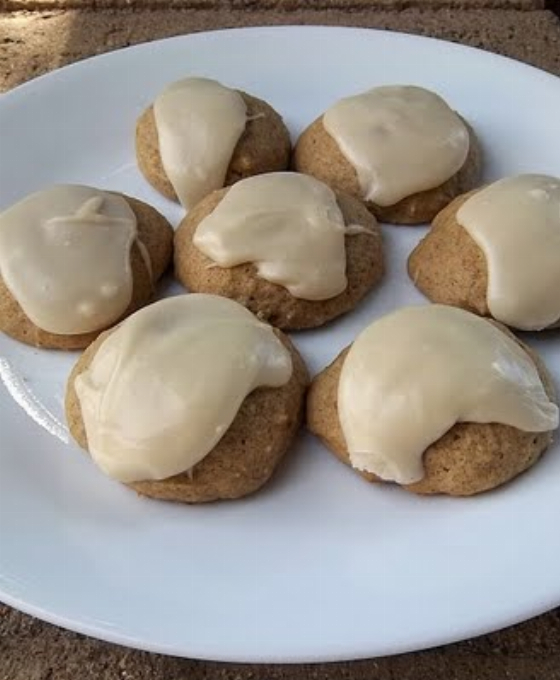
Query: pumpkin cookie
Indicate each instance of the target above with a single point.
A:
(437, 400)
(75, 260)
(200, 136)
(401, 150)
(495, 253)
(285, 246)
(205, 402)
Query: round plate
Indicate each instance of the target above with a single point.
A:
(319, 565)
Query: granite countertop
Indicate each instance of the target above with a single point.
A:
(39, 35)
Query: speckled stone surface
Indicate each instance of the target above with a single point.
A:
(32, 43)
(278, 5)
(41, 37)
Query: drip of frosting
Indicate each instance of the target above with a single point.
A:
(399, 139)
(65, 257)
(411, 375)
(199, 122)
(288, 225)
(164, 387)
(516, 224)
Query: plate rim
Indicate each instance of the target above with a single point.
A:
(122, 640)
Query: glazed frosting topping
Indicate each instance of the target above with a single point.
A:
(164, 387)
(516, 224)
(288, 225)
(65, 257)
(400, 140)
(411, 375)
(199, 122)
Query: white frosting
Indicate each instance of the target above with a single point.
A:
(165, 386)
(289, 225)
(516, 224)
(65, 257)
(199, 123)
(400, 140)
(411, 375)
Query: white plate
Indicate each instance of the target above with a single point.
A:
(319, 565)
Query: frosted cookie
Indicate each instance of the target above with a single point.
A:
(191, 399)
(74, 260)
(199, 136)
(285, 246)
(496, 252)
(437, 400)
(400, 149)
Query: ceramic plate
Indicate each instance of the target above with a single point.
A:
(319, 565)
